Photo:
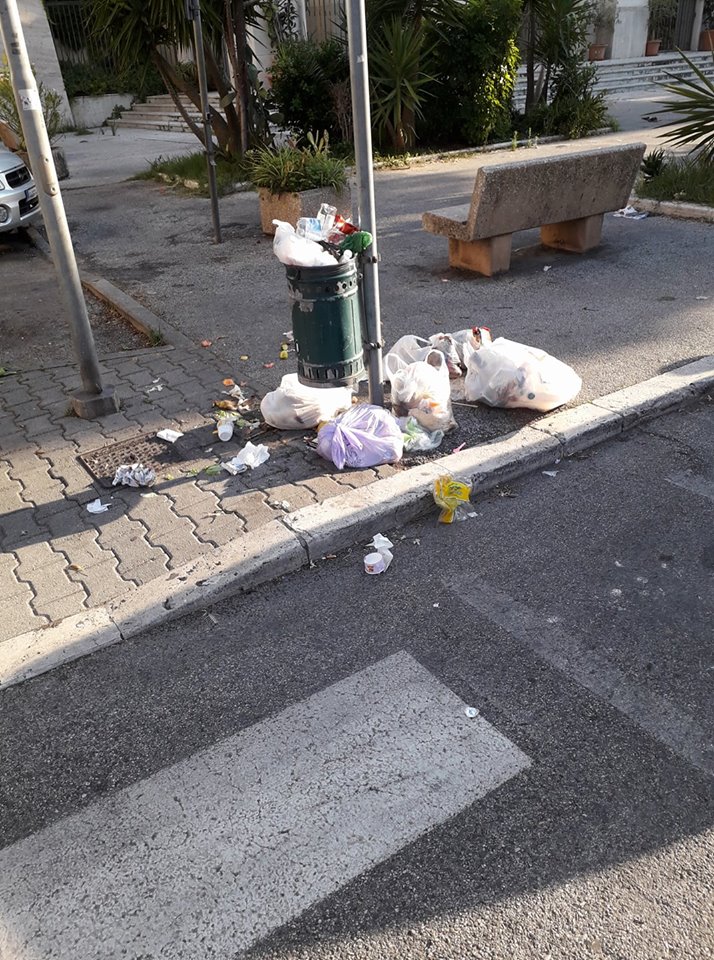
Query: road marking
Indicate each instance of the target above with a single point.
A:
(693, 484)
(209, 855)
(565, 651)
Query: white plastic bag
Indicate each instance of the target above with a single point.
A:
(509, 374)
(295, 251)
(410, 349)
(470, 339)
(365, 436)
(294, 406)
(250, 456)
(421, 390)
(416, 438)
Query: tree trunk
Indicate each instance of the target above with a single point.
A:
(237, 39)
(174, 83)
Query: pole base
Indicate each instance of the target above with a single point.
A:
(89, 406)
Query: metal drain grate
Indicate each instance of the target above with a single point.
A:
(188, 454)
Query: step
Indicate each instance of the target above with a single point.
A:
(172, 127)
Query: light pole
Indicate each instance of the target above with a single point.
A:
(193, 13)
(367, 219)
(94, 400)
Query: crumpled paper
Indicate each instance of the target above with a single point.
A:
(250, 456)
(134, 475)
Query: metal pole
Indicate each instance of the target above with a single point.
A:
(193, 12)
(93, 400)
(366, 216)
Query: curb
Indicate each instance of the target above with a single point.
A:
(675, 209)
(285, 545)
(135, 313)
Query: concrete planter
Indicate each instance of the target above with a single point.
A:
(58, 157)
(93, 111)
(291, 206)
(706, 40)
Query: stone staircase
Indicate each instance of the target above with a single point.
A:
(628, 77)
(160, 113)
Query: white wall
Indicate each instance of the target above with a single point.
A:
(42, 49)
(630, 34)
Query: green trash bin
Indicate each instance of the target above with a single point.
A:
(327, 324)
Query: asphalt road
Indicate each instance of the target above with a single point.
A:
(574, 820)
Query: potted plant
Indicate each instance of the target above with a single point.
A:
(660, 11)
(605, 15)
(706, 37)
(293, 181)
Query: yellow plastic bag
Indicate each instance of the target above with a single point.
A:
(448, 494)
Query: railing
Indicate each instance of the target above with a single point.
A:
(325, 18)
(71, 27)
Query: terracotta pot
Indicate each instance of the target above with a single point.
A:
(291, 206)
(596, 51)
(706, 40)
(652, 48)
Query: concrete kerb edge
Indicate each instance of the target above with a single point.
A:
(285, 545)
(135, 313)
(674, 208)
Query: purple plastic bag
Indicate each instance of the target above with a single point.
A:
(364, 436)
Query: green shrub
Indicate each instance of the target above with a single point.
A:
(290, 169)
(576, 109)
(694, 103)
(681, 178)
(308, 82)
(475, 59)
(399, 85)
(51, 108)
(96, 80)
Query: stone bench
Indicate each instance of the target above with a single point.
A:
(566, 196)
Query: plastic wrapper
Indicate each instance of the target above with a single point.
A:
(509, 374)
(294, 406)
(449, 494)
(417, 439)
(251, 456)
(364, 436)
(134, 475)
(295, 251)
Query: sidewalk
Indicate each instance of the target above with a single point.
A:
(57, 559)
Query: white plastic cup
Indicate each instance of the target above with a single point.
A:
(374, 563)
(225, 429)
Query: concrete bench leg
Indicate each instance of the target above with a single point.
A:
(483, 256)
(574, 235)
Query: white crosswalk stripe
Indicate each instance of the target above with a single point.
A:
(209, 855)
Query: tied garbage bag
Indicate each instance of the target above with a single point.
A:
(421, 390)
(411, 349)
(365, 436)
(509, 374)
(468, 340)
(295, 251)
(294, 406)
(449, 494)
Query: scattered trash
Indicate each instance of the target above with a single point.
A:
(294, 406)
(421, 390)
(436, 605)
(169, 435)
(449, 494)
(269, 366)
(289, 336)
(134, 475)
(629, 213)
(283, 355)
(701, 298)
(75, 567)
(364, 436)
(206, 343)
(146, 496)
(509, 374)
(228, 382)
(155, 389)
(379, 561)
(550, 473)
(417, 438)
(96, 506)
(547, 268)
(250, 456)
(213, 470)
(225, 429)
(280, 505)
(244, 356)
(459, 448)
(616, 592)
(617, 563)
(471, 712)
(231, 405)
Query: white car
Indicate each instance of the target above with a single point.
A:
(19, 205)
